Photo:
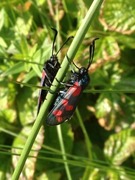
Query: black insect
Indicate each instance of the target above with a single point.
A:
(50, 70)
(68, 98)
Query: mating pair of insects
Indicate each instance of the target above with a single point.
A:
(67, 99)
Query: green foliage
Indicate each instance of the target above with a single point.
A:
(99, 139)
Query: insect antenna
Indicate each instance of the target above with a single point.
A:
(72, 63)
(70, 37)
(75, 65)
(91, 51)
(55, 35)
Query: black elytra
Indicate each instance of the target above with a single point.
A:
(68, 98)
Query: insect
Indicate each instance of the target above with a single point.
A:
(67, 100)
(50, 69)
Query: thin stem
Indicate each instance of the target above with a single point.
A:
(62, 147)
(87, 140)
(64, 153)
(88, 145)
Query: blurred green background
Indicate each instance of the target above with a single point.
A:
(103, 147)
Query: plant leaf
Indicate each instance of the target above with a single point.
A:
(118, 15)
(16, 68)
(120, 146)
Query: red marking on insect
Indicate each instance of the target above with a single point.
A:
(59, 119)
(69, 108)
(58, 114)
(65, 103)
(43, 74)
(78, 89)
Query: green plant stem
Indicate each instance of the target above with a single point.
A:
(87, 140)
(88, 145)
(59, 131)
(64, 153)
(64, 67)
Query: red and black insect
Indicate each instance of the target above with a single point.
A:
(67, 100)
(50, 70)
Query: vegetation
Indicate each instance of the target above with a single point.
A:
(99, 140)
